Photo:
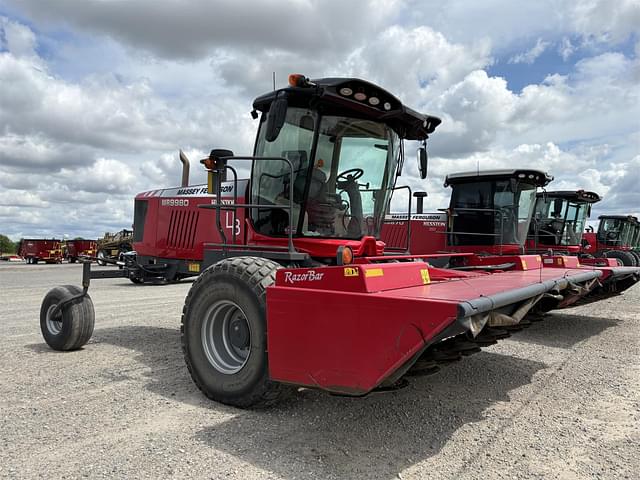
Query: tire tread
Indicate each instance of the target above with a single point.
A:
(257, 273)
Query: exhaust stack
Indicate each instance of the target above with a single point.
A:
(185, 169)
(420, 201)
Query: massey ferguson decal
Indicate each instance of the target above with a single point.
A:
(427, 219)
(201, 190)
(437, 217)
(309, 276)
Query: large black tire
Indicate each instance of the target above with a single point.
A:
(99, 255)
(136, 280)
(237, 288)
(627, 259)
(636, 254)
(73, 327)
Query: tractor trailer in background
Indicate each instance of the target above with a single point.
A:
(34, 250)
(79, 249)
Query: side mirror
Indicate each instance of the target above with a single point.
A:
(423, 162)
(275, 119)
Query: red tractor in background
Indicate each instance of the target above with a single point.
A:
(558, 226)
(294, 287)
(490, 213)
(614, 239)
(73, 250)
(34, 250)
(559, 220)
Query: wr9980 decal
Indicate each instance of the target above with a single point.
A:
(174, 202)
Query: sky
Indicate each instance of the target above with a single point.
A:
(98, 96)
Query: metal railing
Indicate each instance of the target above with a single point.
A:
(219, 206)
(497, 212)
(408, 220)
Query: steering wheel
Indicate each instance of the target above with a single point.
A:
(352, 174)
(549, 233)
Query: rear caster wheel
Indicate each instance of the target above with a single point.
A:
(72, 326)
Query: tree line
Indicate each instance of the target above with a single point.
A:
(7, 246)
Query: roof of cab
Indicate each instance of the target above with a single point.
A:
(538, 177)
(575, 195)
(325, 94)
(628, 218)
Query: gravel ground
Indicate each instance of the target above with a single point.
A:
(558, 400)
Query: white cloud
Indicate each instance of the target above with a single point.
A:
(416, 63)
(566, 48)
(531, 55)
(191, 29)
(481, 105)
(605, 21)
(17, 38)
(19, 198)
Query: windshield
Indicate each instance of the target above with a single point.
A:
(558, 221)
(491, 212)
(611, 231)
(341, 187)
(627, 233)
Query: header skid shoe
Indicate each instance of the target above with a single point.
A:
(354, 328)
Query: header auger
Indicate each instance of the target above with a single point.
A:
(295, 288)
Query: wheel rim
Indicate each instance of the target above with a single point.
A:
(54, 324)
(226, 337)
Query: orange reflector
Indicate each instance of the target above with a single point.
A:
(347, 256)
(208, 163)
(297, 80)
